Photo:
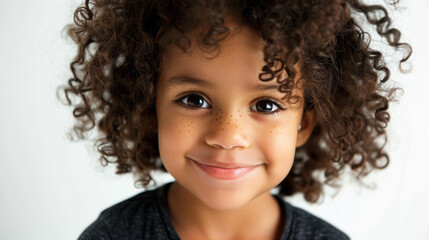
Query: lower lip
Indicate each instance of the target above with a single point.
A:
(225, 173)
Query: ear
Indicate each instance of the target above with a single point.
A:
(308, 122)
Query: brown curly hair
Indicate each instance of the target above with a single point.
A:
(120, 49)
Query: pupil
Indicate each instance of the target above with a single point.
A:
(264, 106)
(195, 101)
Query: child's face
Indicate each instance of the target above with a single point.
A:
(227, 124)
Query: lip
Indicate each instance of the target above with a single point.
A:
(225, 171)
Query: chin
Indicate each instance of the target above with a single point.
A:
(224, 199)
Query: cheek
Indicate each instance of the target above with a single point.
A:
(176, 135)
(280, 145)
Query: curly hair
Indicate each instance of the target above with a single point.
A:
(120, 49)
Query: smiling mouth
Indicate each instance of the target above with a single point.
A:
(225, 173)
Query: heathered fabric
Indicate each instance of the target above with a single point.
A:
(146, 216)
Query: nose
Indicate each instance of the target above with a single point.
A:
(227, 132)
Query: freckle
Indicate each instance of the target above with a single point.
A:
(228, 123)
(240, 115)
(223, 129)
(230, 115)
(271, 131)
(189, 131)
(236, 126)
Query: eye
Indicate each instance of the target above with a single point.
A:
(193, 101)
(197, 101)
(267, 106)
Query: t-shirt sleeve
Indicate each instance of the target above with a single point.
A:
(97, 230)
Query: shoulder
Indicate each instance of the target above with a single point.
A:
(301, 225)
(307, 224)
(128, 219)
(128, 210)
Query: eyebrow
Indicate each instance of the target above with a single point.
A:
(187, 80)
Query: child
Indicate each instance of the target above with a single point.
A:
(232, 98)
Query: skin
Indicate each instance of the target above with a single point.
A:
(226, 127)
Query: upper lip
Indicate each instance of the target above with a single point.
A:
(225, 165)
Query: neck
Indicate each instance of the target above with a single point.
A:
(261, 218)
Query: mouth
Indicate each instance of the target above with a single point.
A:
(229, 172)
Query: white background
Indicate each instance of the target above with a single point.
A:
(51, 188)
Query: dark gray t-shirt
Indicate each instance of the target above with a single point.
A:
(146, 216)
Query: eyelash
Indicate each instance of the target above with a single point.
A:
(274, 113)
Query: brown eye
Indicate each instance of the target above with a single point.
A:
(265, 106)
(194, 101)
